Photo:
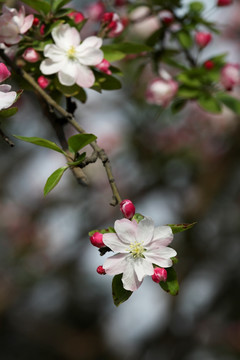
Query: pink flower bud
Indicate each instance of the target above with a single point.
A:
(36, 21)
(161, 91)
(127, 208)
(203, 38)
(104, 67)
(160, 274)
(42, 29)
(4, 72)
(97, 240)
(230, 76)
(166, 17)
(209, 64)
(224, 2)
(100, 270)
(31, 55)
(76, 16)
(96, 10)
(43, 82)
(107, 17)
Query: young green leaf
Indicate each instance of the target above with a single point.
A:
(39, 5)
(78, 161)
(107, 82)
(171, 285)
(180, 227)
(54, 179)
(8, 112)
(118, 292)
(185, 39)
(138, 217)
(41, 142)
(58, 4)
(77, 142)
(210, 104)
(229, 101)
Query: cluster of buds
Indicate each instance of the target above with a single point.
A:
(112, 24)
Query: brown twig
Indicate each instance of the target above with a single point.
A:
(6, 139)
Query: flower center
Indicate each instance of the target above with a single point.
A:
(136, 249)
(71, 53)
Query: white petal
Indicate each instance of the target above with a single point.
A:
(126, 230)
(5, 87)
(66, 36)
(129, 279)
(90, 56)
(160, 256)
(68, 74)
(7, 99)
(49, 67)
(91, 42)
(85, 77)
(163, 235)
(142, 268)
(27, 23)
(54, 53)
(114, 243)
(145, 230)
(115, 264)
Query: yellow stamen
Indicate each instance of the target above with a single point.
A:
(71, 53)
(136, 249)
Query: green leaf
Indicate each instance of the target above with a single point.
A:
(111, 54)
(185, 39)
(41, 142)
(171, 285)
(39, 5)
(196, 6)
(229, 101)
(58, 4)
(138, 217)
(78, 161)
(188, 93)
(189, 79)
(54, 179)
(116, 52)
(102, 231)
(210, 104)
(107, 82)
(8, 112)
(178, 105)
(176, 228)
(77, 142)
(118, 292)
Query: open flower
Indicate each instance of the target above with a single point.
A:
(13, 24)
(70, 59)
(137, 246)
(161, 91)
(7, 97)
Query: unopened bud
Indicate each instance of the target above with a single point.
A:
(104, 67)
(97, 240)
(230, 76)
(31, 55)
(36, 21)
(203, 38)
(43, 82)
(4, 72)
(42, 29)
(166, 17)
(101, 270)
(209, 64)
(76, 16)
(160, 274)
(224, 2)
(127, 208)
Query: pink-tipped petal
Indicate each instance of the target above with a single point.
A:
(4, 72)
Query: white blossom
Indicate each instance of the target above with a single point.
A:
(7, 97)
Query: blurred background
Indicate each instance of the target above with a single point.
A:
(175, 168)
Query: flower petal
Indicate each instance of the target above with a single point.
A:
(54, 53)
(145, 230)
(68, 74)
(5, 88)
(91, 42)
(27, 23)
(126, 230)
(4, 72)
(163, 235)
(90, 56)
(65, 36)
(7, 99)
(142, 268)
(160, 256)
(114, 243)
(115, 264)
(49, 67)
(85, 77)
(129, 279)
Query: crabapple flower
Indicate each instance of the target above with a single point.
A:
(43, 82)
(203, 38)
(224, 2)
(70, 59)
(127, 208)
(31, 55)
(13, 24)
(161, 91)
(97, 239)
(137, 246)
(160, 274)
(7, 97)
(230, 76)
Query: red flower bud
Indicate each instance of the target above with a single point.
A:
(166, 17)
(160, 274)
(203, 38)
(209, 64)
(36, 21)
(100, 270)
(127, 208)
(31, 55)
(76, 16)
(107, 17)
(42, 29)
(43, 82)
(97, 240)
(224, 2)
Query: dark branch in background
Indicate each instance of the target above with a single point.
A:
(6, 139)
(52, 104)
